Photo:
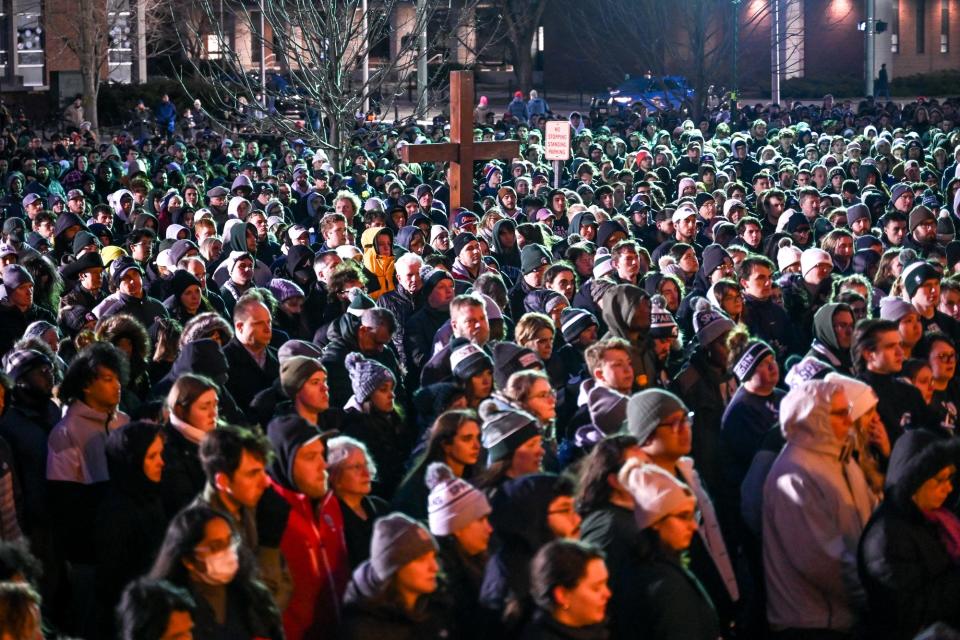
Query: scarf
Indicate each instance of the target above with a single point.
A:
(189, 432)
(948, 526)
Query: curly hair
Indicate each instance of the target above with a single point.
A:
(84, 370)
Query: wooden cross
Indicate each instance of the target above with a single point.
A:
(461, 152)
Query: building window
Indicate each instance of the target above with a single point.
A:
(921, 25)
(121, 22)
(255, 37)
(944, 26)
(30, 40)
(894, 26)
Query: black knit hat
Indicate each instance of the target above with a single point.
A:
(532, 257)
(575, 321)
(505, 428)
(467, 359)
(181, 281)
(461, 240)
(714, 256)
(508, 358)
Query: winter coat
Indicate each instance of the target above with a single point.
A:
(343, 340)
(242, 619)
(14, 323)
(660, 597)
(816, 503)
(706, 390)
(75, 449)
(358, 531)
(403, 305)
(183, 476)
(419, 333)
(26, 430)
(368, 612)
(389, 440)
(145, 309)
(545, 627)
(520, 519)
(769, 322)
(900, 404)
(247, 378)
(462, 576)
(910, 579)
(824, 346)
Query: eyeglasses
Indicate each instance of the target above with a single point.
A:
(686, 516)
(947, 357)
(677, 425)
(217, 547)
(543, 396)
(569, 511)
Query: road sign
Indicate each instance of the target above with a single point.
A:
(558, 140)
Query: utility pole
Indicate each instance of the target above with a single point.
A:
(422, 97)
(263, 57)
(735, 90)
(365, 84)
(869, 44)
(776, 63)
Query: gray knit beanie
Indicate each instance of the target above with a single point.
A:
(366, 375)
(649, 408)
(295, 371)
(397, 540)
(505, 428)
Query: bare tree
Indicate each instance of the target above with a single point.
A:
(520, 20)
(312, 54)
(97, 28)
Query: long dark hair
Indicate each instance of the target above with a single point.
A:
(442, 434)
(183, 535)
(594, 489)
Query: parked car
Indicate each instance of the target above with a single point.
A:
(655, 93)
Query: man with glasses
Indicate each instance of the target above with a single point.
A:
(662, 424)
(921, 282)
(922, 227)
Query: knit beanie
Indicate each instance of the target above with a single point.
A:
(662, 324)
(180, 281)
(359, 302)
(602, 264)
(709, 323)
(575, 321)
(467, 359)
(862, 397)
(505, 428)
(895, 309)
(812, 257)
(21, 361)
(180, 248)
(15, 276)
(808, 368)
(532, 257)
(714, 257)
(655, 492)
(397, 541)
(753, 356)
(788, 254)
(295, 371)
(283, 289)
(856, 212)
(648, 408)
(918, 215)
(292, 348)
(494, 312)
(436, 231)
(916, 273)
(453, 502)
(608, 408)
(508, 358)
(366, 375)
(84, 239)
(460, 241)
(945, 226)
(111, 253)
(432, 277)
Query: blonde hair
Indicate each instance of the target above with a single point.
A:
(530, 324)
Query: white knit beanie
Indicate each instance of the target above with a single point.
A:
(655, 492)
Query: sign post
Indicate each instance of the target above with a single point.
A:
(557, 147)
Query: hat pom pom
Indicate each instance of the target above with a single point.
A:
(353, 360)
(665, 261)
(785, 242)
(437, 473)
(658, 301)
(702, 304)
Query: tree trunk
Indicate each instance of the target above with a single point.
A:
(523, 68)
(91, 90)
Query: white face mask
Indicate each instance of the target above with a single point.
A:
(221, 566)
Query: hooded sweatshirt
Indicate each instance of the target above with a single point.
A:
(383, 267)
(816, 503)
(824, 346)
(617, 308)
(313, 542)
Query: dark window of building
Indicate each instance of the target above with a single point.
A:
(894, 26)
(944, 26)
(921, 25)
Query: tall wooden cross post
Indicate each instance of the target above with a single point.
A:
(461, 152)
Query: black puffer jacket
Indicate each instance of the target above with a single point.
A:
(910, 579)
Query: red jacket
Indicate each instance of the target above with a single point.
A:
(316, 552)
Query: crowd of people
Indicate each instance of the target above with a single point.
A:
(704, 389)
